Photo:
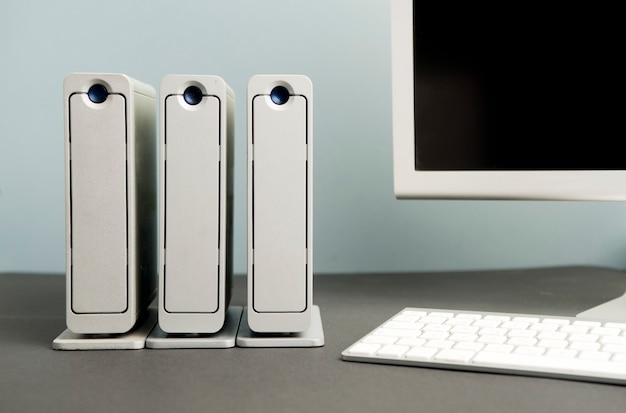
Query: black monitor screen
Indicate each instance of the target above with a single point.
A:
(510, 86)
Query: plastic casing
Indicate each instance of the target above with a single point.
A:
(410, 182)
(111, 203)
(196, 199)
(280, 193)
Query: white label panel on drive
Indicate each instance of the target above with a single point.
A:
(98, 205)
(279, 209)
(192, 205)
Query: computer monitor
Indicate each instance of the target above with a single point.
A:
(508, 101)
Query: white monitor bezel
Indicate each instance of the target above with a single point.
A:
(609, 185)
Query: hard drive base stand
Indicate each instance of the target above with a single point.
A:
(225, 338)
(133, 340)
(313, 337)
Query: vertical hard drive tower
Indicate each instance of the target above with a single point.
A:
(197, 116)
(111, 201)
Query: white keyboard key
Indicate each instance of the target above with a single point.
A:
(464, 329)
(522, 333)
(397, 332)
(553, 343)
(411, 341)
(402, 325)
(364, 349)
(469, 345)
(441, 314)
(434, 335)
(552, 335)
(406, 318)
(619, 358)
(487, 323)
(440, 344)
(463, 337)
(561, 353)
(515, 325)
(574, 329)
(413, 313)
(429, 319)
(529, 320)
(497, 317)
(454, 355)
(614, 348)
(469, 316)
(420, 353)
(379, 339)
(459, 321)
(543, 327)
(621, 326)
(557, 321)
(587, 323)
(437, 327)
(510, 359)
(588, 338)
(584, 346)
(613, 340)
(522, 341)
(393, 350)
(605, 331)
(492, 339)
(529, 350)
(499, 348)
(594, 355)
(492, 331)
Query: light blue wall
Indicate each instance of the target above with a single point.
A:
(343, 46)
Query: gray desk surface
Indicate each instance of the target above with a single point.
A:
(33, 377)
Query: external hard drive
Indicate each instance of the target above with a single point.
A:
(111, 201)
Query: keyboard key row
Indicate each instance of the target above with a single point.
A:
(516, 322)
(432, 348)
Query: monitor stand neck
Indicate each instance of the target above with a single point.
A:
(614, 310)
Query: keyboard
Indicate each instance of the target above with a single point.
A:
(563, 347)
